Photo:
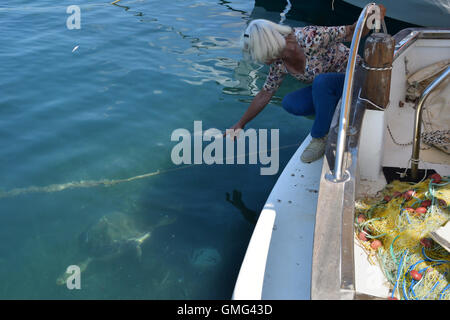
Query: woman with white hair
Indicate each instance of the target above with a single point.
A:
(311, 54)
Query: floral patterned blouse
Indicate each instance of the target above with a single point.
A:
(323, 50)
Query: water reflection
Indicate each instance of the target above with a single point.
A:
(141, 60)
(237, 78)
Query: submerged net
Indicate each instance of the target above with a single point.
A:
(394, 227)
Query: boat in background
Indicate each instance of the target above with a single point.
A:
(426, 13)
(400, 14)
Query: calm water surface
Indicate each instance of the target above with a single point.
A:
(106, 110)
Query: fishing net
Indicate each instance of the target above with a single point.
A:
(394, 228)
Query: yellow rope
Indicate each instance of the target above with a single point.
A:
(393, 217)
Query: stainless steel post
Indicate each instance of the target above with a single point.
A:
(418, 122)
(338, 175)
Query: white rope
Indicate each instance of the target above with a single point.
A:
(285, 11)
(365, 66)
(403, 174)
(108, 183)
(62, 8)
(370, 102)
(384, 26)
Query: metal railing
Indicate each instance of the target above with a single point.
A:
(418, 122)
(410, 35)
(338, 174)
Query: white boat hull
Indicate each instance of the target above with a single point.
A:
(277, 263)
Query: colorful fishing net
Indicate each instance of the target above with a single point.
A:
(394, 227)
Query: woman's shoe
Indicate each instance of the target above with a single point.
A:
(315, 150)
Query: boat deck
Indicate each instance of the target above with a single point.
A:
(397, 147)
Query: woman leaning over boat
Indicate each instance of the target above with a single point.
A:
(311, 54)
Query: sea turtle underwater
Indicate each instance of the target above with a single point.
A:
(114, 234)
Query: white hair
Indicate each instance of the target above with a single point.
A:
(264, 40)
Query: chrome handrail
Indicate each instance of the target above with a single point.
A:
(410, 35)
(418, 122)
(338, 175)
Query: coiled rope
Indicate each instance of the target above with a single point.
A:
(405, 247)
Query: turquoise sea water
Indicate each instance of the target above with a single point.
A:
(101, 103)
(79, 107)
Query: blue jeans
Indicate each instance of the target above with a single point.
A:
(318, 99)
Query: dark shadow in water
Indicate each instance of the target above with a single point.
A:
(226, 4)
(118, 5)
(249, 215)
(136, 13)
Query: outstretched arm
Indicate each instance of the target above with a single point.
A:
(273, 82)
(256, 106)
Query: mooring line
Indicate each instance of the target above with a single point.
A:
(285, 11)
(63, 8)
(106, 182)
